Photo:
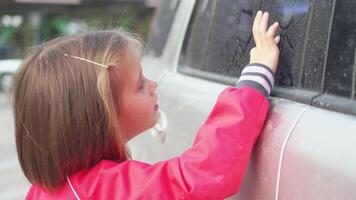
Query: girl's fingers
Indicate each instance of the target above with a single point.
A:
(262, 29)
(273, 29)
(277, 39)
(261, 32)
(255, 28)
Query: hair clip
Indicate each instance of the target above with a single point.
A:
(83, 59)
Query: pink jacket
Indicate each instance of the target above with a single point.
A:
(213, 168)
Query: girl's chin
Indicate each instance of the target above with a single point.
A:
(156, 118)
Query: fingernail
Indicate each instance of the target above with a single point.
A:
(259, 12)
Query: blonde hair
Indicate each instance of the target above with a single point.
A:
(66, 110)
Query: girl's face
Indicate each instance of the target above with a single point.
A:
(139, 108)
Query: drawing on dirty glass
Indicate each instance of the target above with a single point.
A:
(161, 26)
(293, 23)
(221, 42)
(229, 36)
(340, 74)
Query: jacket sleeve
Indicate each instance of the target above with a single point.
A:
(213, 168)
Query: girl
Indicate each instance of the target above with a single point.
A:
(79, 99)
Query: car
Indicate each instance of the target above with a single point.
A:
(307, 147)
(8, 68)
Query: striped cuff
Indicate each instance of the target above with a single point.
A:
(258, 76)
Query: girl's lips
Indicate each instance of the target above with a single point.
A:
(156, 107)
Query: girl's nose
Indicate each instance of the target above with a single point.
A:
(155, 84)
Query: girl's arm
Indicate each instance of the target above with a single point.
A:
(214, 167)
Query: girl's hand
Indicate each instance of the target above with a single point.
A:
(266, 51)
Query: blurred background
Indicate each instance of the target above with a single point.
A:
(24, 23)
(200, 40)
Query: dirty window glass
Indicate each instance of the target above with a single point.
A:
(293, 18)
(227, 48)
(161, 26)
(220, 37)
(196, 42)
(340, 74)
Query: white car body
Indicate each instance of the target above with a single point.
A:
(8, 68)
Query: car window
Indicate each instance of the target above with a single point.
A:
(220, 39)
(338, 87)
(341, 62)
(220, 36)
(317, 45)
(161, 26)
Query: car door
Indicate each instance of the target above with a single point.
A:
(188, 90)
(217, 48)
(319, 160)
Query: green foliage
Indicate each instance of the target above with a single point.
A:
(14, 41)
